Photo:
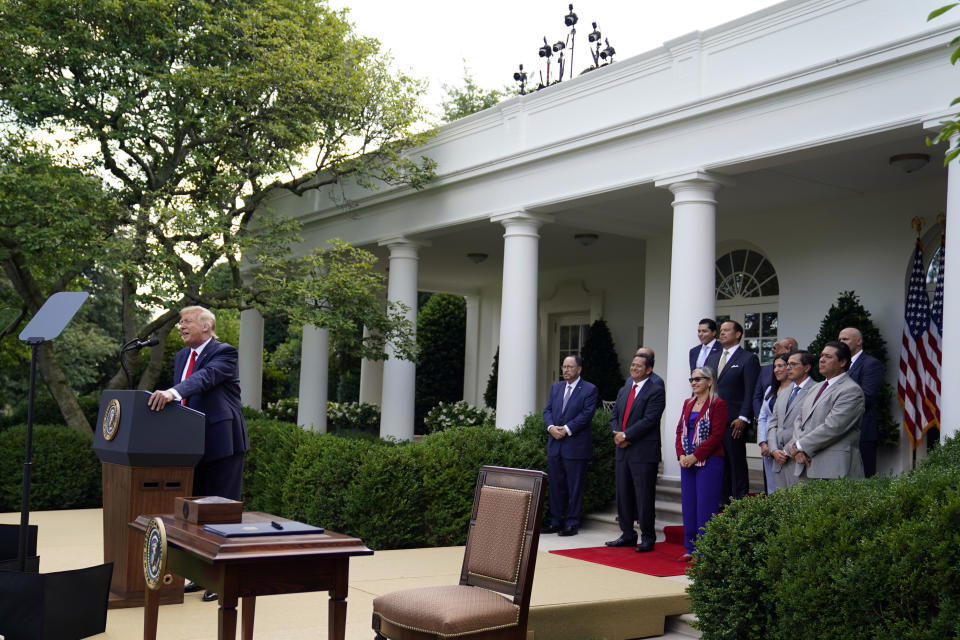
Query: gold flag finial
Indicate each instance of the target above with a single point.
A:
(917, 224)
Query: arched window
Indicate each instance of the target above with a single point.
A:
(745, 274)
(748, 291)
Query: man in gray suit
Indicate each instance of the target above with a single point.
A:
(826, 434)
(785, 412)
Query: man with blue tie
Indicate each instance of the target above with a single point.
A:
(707, 334)
(867, 372)
(569, 411)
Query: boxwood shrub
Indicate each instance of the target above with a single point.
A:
(845, 559)
(65, 472)
(404, 495)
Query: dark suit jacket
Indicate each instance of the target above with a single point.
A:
(214, 390)
(695, 353)
(643, 421)
(764, 380)
(867, 372)
(736, 382)
(577, 416)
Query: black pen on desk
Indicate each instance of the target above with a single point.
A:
(275, 524)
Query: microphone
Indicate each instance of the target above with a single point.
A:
(134, 344)
(139, 344)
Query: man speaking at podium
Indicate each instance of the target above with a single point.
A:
(207, 380)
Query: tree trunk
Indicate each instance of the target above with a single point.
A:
(60, 389)
(148, 380)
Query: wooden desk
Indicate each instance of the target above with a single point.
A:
(247, 567)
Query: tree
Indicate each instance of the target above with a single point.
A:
(600, 363)
(199, 112)
(463, 100)
(848, 312)
(441, 331)
(56, 221)
(950, 127)
(490, 393)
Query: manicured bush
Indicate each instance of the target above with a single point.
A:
(840, 559)
(272, 447)
(456, 414)
(414, 494)
(450, 462)
(385, 502)
(65, 472)
(316, 483)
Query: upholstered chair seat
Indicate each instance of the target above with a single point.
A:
(492, 600)
(464, 610)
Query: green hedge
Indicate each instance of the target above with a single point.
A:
(416, 494)
(65, 472)
(868, 559)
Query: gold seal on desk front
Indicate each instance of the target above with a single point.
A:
(111, 420)
(154, 553)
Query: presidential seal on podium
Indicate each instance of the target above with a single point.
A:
(111, 420)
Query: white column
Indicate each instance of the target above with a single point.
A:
(471, 350)
(517, 377)
(692, 289)
(399, 376)
(314, 362)
(251, 359)
(371, 378)
(950, 346)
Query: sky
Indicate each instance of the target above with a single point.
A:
(431, 39)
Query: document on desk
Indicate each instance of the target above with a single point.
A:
(270, 528)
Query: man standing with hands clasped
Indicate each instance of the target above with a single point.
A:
(635, 424)
(568, 414)
(826, 434)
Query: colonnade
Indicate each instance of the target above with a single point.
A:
(692, 268)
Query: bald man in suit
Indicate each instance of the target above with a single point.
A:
(867, 372)
(826, 434)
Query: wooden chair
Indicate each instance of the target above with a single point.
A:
(493, 598)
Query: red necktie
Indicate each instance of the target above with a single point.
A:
(819, 393)
(626, 410)
(193, 361)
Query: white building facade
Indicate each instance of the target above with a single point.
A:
(753, 158)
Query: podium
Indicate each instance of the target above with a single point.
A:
(148, 459)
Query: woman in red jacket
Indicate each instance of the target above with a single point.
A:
(700, 452)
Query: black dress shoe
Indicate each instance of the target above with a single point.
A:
(191, 587)
(209, 596)
(622, 541)
(550, 528)
(644, 547)
(568, 531)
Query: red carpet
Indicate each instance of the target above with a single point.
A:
(662, 561)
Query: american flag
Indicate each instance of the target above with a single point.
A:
(935, 336)
(915, 384)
